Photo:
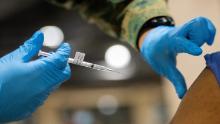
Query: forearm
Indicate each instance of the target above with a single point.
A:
(120, 19)
(137, 18)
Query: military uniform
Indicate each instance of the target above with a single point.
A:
(119, 18)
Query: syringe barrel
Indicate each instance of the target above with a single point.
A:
(81, 63)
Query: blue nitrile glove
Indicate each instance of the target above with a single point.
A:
(213, 62)
(26, 84)
(162, 44)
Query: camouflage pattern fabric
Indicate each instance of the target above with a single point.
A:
(122, 19)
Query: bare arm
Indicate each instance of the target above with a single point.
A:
(201, 104)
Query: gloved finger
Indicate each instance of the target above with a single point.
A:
(29, 49)
(62, 76)
(66, 74)
(54, 69)
(185, 28)
(177, 79)
(199, 30)
(59, 59)
(185, 46)
(52, 76)
(212, 32)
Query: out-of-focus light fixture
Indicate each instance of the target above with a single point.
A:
(53, 36)
(107, 104)
(117, 56)
(83, 117)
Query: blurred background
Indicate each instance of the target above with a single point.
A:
(137, 96)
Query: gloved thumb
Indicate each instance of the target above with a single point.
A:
(59, 59)
(177, 79)
(28, 50)
(185, 46)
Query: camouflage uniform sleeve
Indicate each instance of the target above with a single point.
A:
(119, 18)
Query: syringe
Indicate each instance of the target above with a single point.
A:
(78, 60)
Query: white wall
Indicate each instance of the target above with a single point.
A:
(190, 66)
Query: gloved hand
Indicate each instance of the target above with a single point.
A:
(162, 44)
(26, 84)
(213, 62)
